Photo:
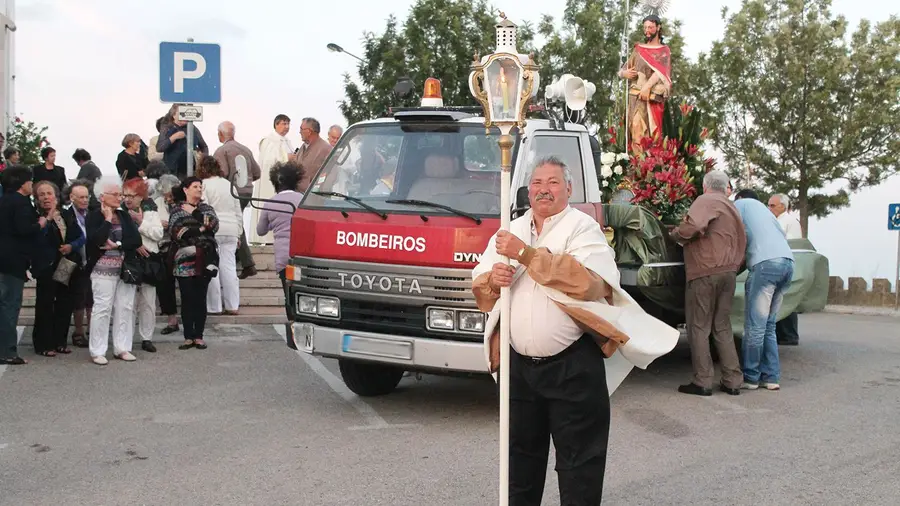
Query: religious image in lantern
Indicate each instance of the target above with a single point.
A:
(504, 75)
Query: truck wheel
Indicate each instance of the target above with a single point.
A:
(369, 380)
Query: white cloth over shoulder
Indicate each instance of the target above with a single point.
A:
(581, 236)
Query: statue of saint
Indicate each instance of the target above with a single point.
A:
(649, 75)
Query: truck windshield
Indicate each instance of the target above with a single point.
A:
(455, 165)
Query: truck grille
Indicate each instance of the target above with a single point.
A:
(387, 318)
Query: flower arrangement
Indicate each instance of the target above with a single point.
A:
(682, 123)
(661, 180)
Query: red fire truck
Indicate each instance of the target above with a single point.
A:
(385, 239)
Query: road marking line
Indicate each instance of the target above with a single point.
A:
(372, 418)
(20, 331)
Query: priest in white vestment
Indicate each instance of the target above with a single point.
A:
(274, 148)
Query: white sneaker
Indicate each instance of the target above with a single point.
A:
(748, 386)
(99, 360)
(770, 386)
(128, 357)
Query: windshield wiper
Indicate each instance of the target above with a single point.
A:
(355, 200)
(425, 203)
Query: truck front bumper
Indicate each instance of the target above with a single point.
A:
(413, 353)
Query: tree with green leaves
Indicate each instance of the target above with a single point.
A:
(28, 138)
(438, 39)
(587, 44)
(805, 107)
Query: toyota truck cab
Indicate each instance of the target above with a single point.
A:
(385, 239)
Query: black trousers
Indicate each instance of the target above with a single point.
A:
(244, 256)
(287, 295)
(193, 305)
(787, 330)
(53, 310)
(165, 292)
(564, 396)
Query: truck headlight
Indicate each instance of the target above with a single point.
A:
(329, 307)
(306, 304)
(441, 319)
(471, 321)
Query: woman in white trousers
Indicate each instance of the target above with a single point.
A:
(224, 289)
(111, 236)
(144, 213)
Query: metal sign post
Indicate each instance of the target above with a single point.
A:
(894, 225)
(190, 113)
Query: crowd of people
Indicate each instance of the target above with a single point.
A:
(720, 239)
(105, 250)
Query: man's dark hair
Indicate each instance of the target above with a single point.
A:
(656, 21)
(46, 152)
(81, 155)
(156, 169)
(746, 193)
(286, 175)
(279, 119)
(9, 152)
(14, 177)
(313, 124)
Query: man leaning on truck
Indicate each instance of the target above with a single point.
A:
(557, 375)
(714, 243)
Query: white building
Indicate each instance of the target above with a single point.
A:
(7, 63)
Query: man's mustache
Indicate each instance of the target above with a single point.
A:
(544, 196)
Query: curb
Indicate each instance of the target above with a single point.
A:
(863, 310)
(222, 333)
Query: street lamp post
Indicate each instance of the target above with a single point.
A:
(504, 83)
(338, 49)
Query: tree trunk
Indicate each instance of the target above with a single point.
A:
(803, 203)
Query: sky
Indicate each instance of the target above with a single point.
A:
(89, 69)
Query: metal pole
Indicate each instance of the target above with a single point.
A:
(627, 23)
(190, 148)
(897, 277)
(506, 144)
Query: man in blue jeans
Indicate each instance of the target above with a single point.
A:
(771, 265)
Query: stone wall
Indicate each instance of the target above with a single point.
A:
(856, 292)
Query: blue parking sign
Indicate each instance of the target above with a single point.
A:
(894, 217)
(190, 73)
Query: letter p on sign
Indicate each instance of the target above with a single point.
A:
(190, 73)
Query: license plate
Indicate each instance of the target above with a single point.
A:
(376, 347)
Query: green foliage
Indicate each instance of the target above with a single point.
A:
(28, 138)
(439, 39)
(812, 112)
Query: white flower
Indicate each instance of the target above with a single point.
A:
(608, 158)
(622, 156)
(618, 170)
(606, 171)
(605, 183)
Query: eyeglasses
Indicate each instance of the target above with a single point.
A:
(130, 196)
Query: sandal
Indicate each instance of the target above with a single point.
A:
(63, 350)
(47, 353)
(13, 361)
(79, 341)
(169, 330)
(187, 345)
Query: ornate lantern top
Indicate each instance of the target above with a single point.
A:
(506, 35)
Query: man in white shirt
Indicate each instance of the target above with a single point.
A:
(787, 330)
(275, 148)
(557, 373)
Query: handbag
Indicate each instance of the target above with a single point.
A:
(131, 272)
(64, 271)
(152, 269)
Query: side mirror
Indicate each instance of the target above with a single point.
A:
(241, 172)
(522, 198)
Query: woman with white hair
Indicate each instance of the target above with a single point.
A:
(112, 237)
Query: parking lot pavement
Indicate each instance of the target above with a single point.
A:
(250, 422)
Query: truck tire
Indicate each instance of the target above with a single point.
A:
(369, 380)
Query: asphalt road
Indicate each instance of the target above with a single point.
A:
(250, 422)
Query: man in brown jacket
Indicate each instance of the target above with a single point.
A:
(314, 151)
(226, 156)
(714, 242)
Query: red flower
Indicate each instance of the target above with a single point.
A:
(709, 163)
(18, 119)
(704, 133)
(692, 150)
(686, 109)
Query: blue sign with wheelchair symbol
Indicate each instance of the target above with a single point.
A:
(894, 217)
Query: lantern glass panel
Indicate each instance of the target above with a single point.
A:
(503, 80)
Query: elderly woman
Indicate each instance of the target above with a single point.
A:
(144, 214)
(224, 289)
(55, 296)
(79, 194)
(130, 163)
(165, 290)
(111, 237)
(192, 228)
(285, 178)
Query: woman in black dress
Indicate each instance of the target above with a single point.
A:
(131, 163)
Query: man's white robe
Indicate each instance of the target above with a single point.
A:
(272, 149)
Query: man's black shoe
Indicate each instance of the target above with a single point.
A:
(730, 391)
(693, 389)
(148, 346)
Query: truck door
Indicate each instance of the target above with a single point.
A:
(567, 146)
